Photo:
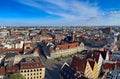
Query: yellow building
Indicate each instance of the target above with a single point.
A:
(32, 68)
(94, 67)
(88, 71)
(95, 55)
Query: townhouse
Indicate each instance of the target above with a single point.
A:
(88, 67)
(68, 73)
(32, 68)
(95, 55)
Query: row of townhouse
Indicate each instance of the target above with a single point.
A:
(112, 66)
(91, 65)
(88, 67)
(20, 46)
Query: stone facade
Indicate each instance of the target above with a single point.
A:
(66, 52)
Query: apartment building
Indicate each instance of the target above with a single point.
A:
(29, 65)
(32, 68)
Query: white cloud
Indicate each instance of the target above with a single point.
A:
(72, 12)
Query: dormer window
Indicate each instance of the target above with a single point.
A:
(92, 56)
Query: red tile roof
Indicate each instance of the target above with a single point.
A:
(68, 73)
(31, 65)
(111, 65)
(94, 55)
(2, 71)
(102, 49)
(66, 46)
(11, 49)
(28, 43)
(1, 38)
(79, 63)
(16, 33)
(59, 36)
(12, 69)
(108, 66)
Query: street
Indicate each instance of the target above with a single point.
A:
(53, 65)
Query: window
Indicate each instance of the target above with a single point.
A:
(37, 73)
(37, 76)
(40, 69)
(37, 69)
(40, 76)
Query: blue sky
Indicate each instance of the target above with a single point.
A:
(59, 12)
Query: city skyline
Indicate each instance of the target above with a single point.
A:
(59, 12)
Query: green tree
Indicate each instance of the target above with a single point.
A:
(16, 76)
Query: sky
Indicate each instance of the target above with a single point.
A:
(59, 12)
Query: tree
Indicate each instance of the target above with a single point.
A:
(16, 76)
